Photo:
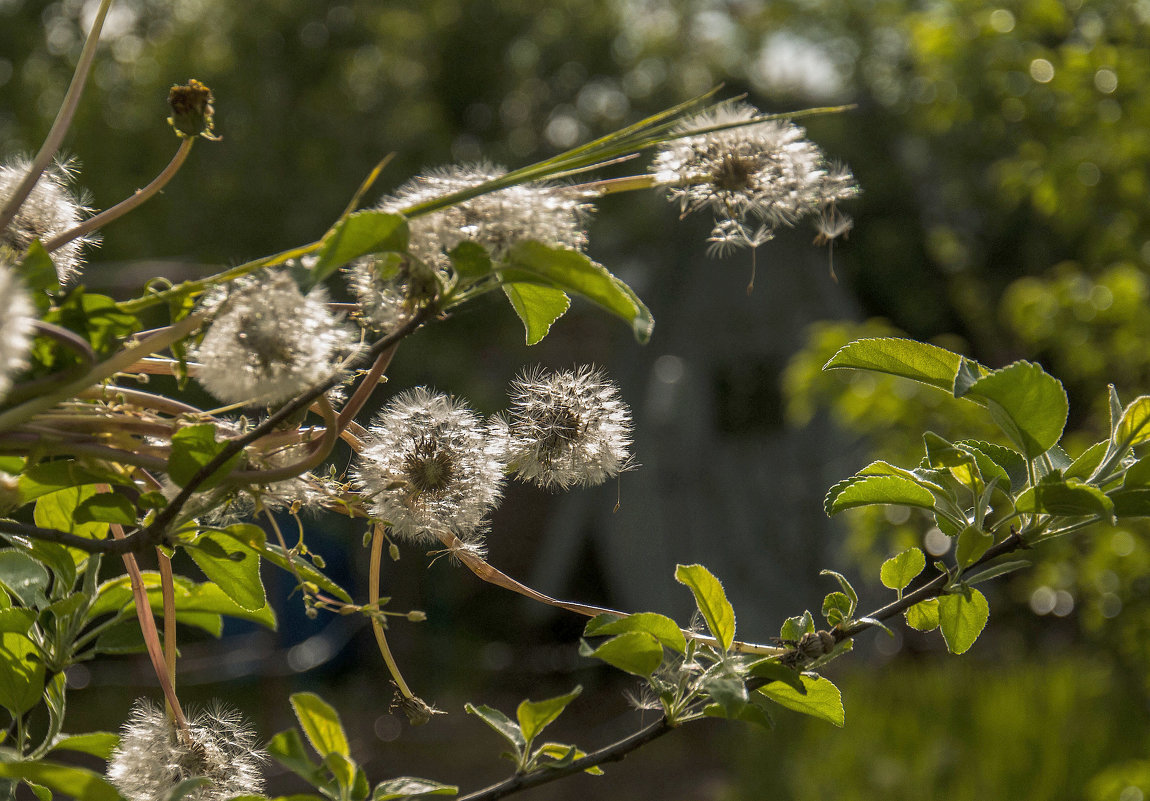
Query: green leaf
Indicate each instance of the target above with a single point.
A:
(940, 453)
(660, 627)
(106, 507)
(192, 448)
(96, 743)
(234, 568)
(253, 537)
(21, 673)
(994, 571)
(37, 272)
(58, 510)
(899, 571)
(186, 788)
(410, 787)
(1134, 425)
(794, 628)
(1028, 404)
(537, 306)
(16, 619)
(729, 692)
(470, 260)
(356, 235)
(711, 600)
(923, 615)
(115, 595)
(822, 699)
(1137, 474)
(772, 670)
(574, 273)
(1085, 465)
(906, 358)
(1072, 498)
(343, 769)
(1131, 502)
(564, 755)
(535, 716)
(962, 619)
(877, 490)
(24, 577)
(848, 590)
(635, 652)
(837, 608)
(502, 724)
(1011, 462)
(288, 749)
(97, 318)
(46, 477)
(973, 542)
(320, 722)
(72, 782)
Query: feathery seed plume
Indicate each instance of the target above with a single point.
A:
(50, 209)
(16, 318)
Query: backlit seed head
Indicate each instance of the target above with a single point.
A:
(567, 428)
(51, 209)
(16, 318)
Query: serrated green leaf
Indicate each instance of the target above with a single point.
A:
(191, 597)
(1085, 465)
(836, 608)
(502, 724)
(535, 716)
(193, 447)
(1134, 425)
(972, 543)
(288, 749)
(822, 699)
(1028, 404)
(941, 453)
(320, 724)
(574, 273)
(73, 782)
(58, 510)
(1138, 474)
(356, 235)
(905, 358)
(95, 743)
(106, 507)
(21, 673)
(661, 627)
(410, 787)
(711, 600)
(538, 307)
(773, 670)
(635, 652)
(794, 628)
(1056, 496)
(900, 570)
(233, 567)
(879, 490)
(848, 590)
(923, 615)
(254, 537)
(962, 619)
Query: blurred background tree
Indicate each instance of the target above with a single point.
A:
(1004, 154)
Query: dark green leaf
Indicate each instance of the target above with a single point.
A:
(1027, 403)
(711, 600)
(899, 571)
(24, 577)
(822, 699)
(574, 273)
(72, 782)
(236, 571)
(288, 749)
(906, 358)
(1131, 502)
(470, 260)
(106, 507)
(877, 490)
(728, 692)
(772, 670)
(537, 306)
(16, 619)
(923, 615)
(320, 722)
(635, 652)
(97, 318)
(38, 273)
(962, 619)
(502, 724)
(1056, 496)
(46, 477)
(410, 787)
(535, 716)
(359, 234)
(253, 536)
(192, 448)
(1137, 474)
(95, 743)
(662, 628)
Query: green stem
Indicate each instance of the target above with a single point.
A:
(373, 599)
(62, 122)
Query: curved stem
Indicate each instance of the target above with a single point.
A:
(366, 386)
(373, 598)
(70, 340)
(111, 393)
(62, 122)
(126, 205)
(320, 450)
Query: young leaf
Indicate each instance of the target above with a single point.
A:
(410, 787)
(994, 571)
(535, 716)
(837, 608)
(192, 448)
(1028, 404)
(794, 628)
(1085, 465)
(635, 652)
(358, 235)
(729, 692)
(1134, 425)
(502, 724)
(1011, 462)
(115, 595)
(906, 358)
(923, 615)
(24, 577)
(1056, 496)
(848, 590)
(972, 544)
(899, 571)
(878, 490)
(320, 722)
(660, 627)
(58, 510)
(822, 699)
(574, 273)
(711, 600)
(962, 619)
(1131, 502)
(538, 307)
(288, 749)
(234, 568)
(470, 260)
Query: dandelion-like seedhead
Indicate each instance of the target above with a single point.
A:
(16, 318)
(754, 178)
(567, 428)
(545, 212)
(49, 210)
(269, 342)
(429, 466)
(152, 758)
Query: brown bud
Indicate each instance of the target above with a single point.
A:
(192, 110)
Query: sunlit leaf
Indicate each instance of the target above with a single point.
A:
(537, 306)
(822, 699)
(899, 571)
(906, 358)
(962, 619)
(711, 600)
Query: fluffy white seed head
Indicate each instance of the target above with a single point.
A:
(764, 174)
(430, 467)
(550, 213)
(268, 341)
(16, 318)
(567, 428)
(50, 210)
(152, 759)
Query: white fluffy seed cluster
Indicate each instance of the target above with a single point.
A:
(430, 467)
(152, 759)
(16, 318)
(554, 214)
(754, 178)
(268, 341)
(50, 210)
(567, 428)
